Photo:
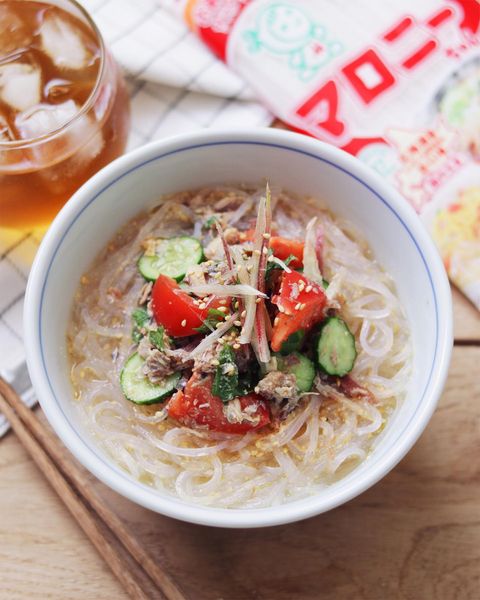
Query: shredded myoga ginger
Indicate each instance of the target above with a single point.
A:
(292, 356)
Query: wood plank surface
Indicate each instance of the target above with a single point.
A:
(413, 536)
(466, 319)
(43, 553)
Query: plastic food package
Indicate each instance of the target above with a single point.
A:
(397, 84)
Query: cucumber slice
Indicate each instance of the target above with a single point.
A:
(137, 387)
(336, 352)
(173, 257)
(299, 365)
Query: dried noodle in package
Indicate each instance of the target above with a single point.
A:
(397, 84)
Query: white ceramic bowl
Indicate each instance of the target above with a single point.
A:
(293, 161)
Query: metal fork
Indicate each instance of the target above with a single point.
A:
(19, 379)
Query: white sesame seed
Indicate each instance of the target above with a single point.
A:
(298, 305)
(258, 300)
(184, 323)
(281, 309)
(214, 362)
(308, 288)
(244, 314)
(237, 346)
(257, 252)
(223, 309)
(267, 236)
(265, 250)
(218, 325)
(222, 302)
(237, 323)
(275, 321)
(202, 305)
(303, 306)
(271, 258)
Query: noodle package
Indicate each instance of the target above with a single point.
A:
(397, 84)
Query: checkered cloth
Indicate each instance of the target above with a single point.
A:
(176, 85)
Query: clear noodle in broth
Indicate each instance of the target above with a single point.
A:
(320, 441)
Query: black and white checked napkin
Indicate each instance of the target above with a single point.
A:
(176, 86)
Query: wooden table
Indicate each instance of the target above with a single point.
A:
(414, 536)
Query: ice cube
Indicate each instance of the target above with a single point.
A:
(63, 43)
(55, 178)
(57, 90)
(20, 85)
(93, 147)
(6, 134)
(57, 175)
(81, 139)
(44, 118)
(14, 34)
(8, 157)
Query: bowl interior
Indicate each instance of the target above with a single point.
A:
(305, 167)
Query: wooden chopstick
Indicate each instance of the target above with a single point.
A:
(83, 516)
(103, 527)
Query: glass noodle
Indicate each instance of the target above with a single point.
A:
(325, 437)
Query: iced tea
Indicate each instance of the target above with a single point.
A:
(63, 108)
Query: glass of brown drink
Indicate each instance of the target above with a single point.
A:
(64, 110)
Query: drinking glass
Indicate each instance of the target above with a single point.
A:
(64, 109)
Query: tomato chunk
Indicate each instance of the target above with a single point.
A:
(176, 310)
(282, 248)
(298, 308)
(196, 405)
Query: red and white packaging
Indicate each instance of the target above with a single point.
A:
(397, 84)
